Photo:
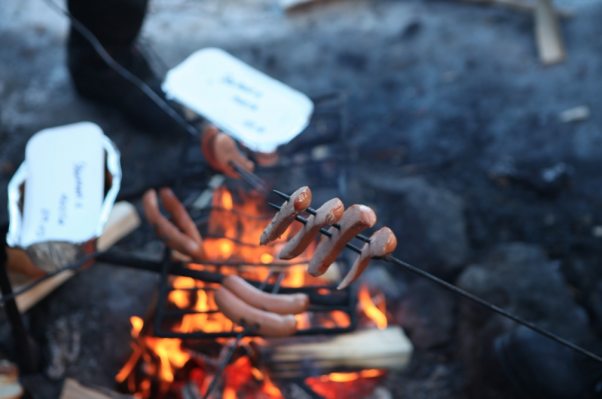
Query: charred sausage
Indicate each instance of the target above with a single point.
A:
(299, 201)
(329, 213)
(264, 323)
(277, 303)
(382, 243)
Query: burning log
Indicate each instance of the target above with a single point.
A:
(365, 349)
(74, 390)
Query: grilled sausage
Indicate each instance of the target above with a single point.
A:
(355, 219)
(267, 324)
(382, 243)
(299, 201)
(329, 213)
(183, 236)
(277, 303)
(220, 150)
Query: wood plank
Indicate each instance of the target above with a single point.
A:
(74, 390)
(292, 5)
(10, 388)
(123, 220)
(383, 349)
(519, 5)
(550, 45)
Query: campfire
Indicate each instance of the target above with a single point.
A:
(192, 338)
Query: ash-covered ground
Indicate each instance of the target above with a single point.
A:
(455, 137)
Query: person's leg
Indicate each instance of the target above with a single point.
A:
(116, 24)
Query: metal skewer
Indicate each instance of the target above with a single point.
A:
(312, 211)
(463, 293)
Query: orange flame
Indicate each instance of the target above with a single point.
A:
(345, 385)
(373, 312)
(165, 358)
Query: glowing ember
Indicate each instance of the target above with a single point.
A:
(345, 385)
(159, 368)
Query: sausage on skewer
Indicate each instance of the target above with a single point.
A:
(382, 243)
(298, 202)
(355, 219)
(329, 213)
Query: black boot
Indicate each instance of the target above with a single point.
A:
(116, 24)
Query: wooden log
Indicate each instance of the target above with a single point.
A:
(123, 220)
(550, 45)
(10, 388)
(364, 349)
(290, 5)
(519, 5)
(74, 390)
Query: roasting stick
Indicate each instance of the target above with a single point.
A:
(312, 211)
(250, 178)
(459, 291)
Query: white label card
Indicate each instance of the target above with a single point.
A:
(64, 185)
(254, 108)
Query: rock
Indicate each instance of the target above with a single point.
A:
(64, 345)
(595, 300)
(544, 179)
(520, 278)
(523, 280)
(429, 222)
(427, 314)
(575, 114)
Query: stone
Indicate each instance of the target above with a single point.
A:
(520, 277)
(429, 222)
(427, 314)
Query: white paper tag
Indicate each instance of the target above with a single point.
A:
(254, 108)
(65, 184)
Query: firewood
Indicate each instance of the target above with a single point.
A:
(550, 45)
(519, 5)
(10, 388)
(365, 349)
(74, 390)
(122, 221)
(290, 5)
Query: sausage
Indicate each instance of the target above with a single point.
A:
(220, 150)
(355, 219)
(329, 213)
(264, 323)
(382, 243)
(275, 303)
(183, 236)
(299, 201)
(208, 145)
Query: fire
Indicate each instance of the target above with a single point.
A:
(340, 385)
(159, 367)
(371, 310)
